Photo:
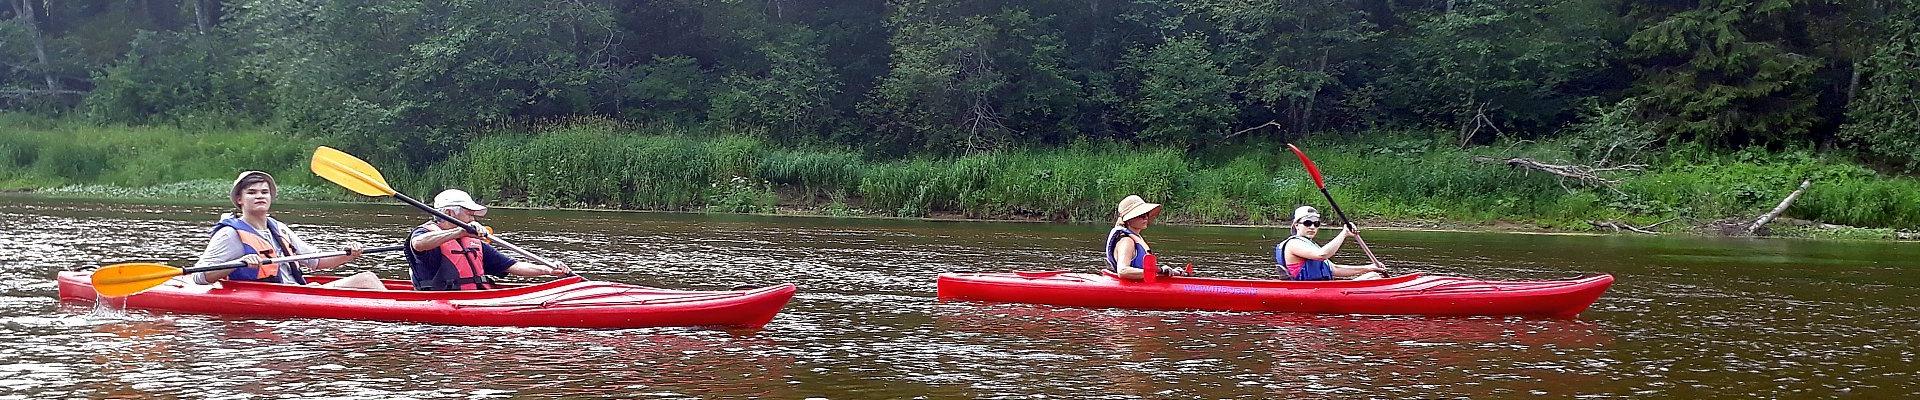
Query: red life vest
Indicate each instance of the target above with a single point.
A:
(467, 254)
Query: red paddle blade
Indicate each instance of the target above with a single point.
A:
(1311, 169)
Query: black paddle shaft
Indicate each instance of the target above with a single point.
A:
(1336, 208)
(301, 257)
(1349, 225)
(471, 230)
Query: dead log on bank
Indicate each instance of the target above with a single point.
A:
(1620, 226)
(1754, 229)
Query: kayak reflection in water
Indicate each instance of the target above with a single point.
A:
(445, 257)
(1128, 254)
(253, 236)
(1302, 260)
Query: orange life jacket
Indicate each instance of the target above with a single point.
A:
(252, 243)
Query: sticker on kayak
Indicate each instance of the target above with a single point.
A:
(1218, 289)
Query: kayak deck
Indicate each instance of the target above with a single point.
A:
(1411, 294)
(564, 302)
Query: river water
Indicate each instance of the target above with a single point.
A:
(1688, 317)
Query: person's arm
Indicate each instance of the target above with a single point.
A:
(1310, 251)
(1123, 256)
(498, 264)
(1344, 271)
(300, 246)
(353, 253)
(428, 241)
(222, 247)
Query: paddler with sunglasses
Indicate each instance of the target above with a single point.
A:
(1302, 260)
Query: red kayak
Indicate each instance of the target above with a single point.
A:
(566, 302)
(1411, 294)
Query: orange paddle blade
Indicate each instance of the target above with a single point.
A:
(121, 280)
(351, 172)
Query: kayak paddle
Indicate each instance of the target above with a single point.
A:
(359, 176)
(121, 280)
(1322, 183)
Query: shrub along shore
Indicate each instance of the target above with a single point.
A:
(1396, 178)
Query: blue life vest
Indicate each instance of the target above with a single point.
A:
(251, 241)
(1140, 251)
(1309, 270)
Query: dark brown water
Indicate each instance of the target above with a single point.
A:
(1688, 318)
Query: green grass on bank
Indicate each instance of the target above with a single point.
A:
(77, 158)
(1387, 176)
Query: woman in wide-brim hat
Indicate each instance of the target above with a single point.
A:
(1128, 254)
(252, 236)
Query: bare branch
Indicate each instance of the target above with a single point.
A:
(1275, 124)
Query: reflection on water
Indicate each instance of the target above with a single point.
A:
(1689, 317)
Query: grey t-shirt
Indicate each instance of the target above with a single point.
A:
(225, 246)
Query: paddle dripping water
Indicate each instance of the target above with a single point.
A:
(1686, 318)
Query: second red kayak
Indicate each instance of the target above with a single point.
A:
(1411, 294)
(565, 302)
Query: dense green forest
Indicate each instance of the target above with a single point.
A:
(438, 86)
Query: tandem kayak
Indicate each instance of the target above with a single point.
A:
(1411, 294)
(565, 302)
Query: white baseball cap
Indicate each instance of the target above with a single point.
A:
(456, 198)
(1305, 213)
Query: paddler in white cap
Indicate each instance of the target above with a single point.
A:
(1302, 260)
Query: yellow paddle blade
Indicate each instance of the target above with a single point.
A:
(349, 171)
(120, 280)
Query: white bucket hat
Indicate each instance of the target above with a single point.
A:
(1134, 206)
(456, 198)
(235, 191)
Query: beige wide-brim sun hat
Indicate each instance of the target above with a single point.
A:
(1134, 206)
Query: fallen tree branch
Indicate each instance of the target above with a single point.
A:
(1619, 226)
(1275, 124)
(1586, 175)
(1770, 215)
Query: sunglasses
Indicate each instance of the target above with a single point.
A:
(1310, 224)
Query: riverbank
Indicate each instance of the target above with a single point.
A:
(1405, 179)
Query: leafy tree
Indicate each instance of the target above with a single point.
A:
(1494, 65)
(1885, 118)
(169, 76)
(405, 79)
(1184, 93)
(792, 93)
(1724, 72)
(669, 88)
(1289, 56)
(966, 78)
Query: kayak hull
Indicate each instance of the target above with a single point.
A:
(567, 302)
(1412, 294)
